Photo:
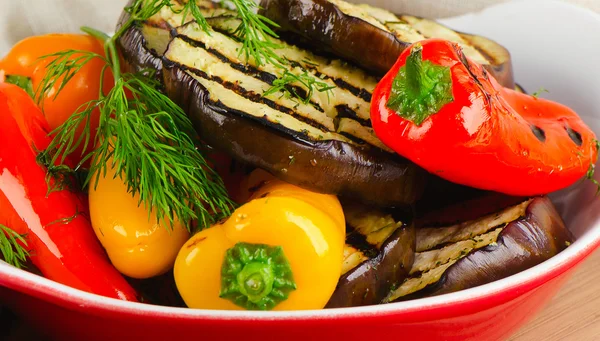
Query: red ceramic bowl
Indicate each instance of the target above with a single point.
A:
(489, 312)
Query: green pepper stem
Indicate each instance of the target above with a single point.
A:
(256, 281)
(414, 71)
(256, 276)
(421, 88)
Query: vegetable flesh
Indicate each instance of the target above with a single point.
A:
(484, 250)
(378, 255)
(293, 141)
(373, 37)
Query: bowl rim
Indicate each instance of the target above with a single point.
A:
(48, 290)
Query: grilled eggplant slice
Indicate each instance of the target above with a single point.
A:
(379, 253)
(143, 45)
(481, 251)
(373, 37)
(326, 145)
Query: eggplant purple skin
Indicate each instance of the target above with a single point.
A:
(133, 47)
(371, 281)
(524, 243)
(320, 21)
(326, 27)
(332, 167)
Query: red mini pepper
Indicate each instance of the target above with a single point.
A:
(62, 242)
(448, 115)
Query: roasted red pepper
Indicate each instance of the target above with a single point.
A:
(448, 115)
(62, 242)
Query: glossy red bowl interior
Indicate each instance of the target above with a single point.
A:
(489, 312)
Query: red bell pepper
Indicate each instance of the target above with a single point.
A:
(62, 242)
(448, 115)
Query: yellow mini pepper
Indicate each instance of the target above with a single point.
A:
(137, 245)
(282, 250)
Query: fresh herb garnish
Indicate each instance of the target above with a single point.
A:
(592, 169)
(193, 9)
(64, 66)
(287, 81)
(65, 220)
(12, 247)
(142, 134)
(539, 92)
(256, 33)
(590, 176)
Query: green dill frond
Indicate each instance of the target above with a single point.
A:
(590, 176)
(288, 82)
(13, 247)
(61, 69)
(149, 142)
(540, 91)
(192, 8)
(256, 32)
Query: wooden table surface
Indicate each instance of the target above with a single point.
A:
(574, 314)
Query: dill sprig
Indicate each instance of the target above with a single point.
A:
(592, 169)
(193, 9)
(288, 81)
(590, 176)
(256, 33)
(145, 137)
(150, 145)
(13, 247)
(142, 134)
(539, 92)
(64, 65)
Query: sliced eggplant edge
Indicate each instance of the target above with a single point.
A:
(379, 178)
(326, 15)
(324, 25)
(526, 242)
(371, 281)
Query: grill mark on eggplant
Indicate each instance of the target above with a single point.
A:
(358, 92)
(205, 8)
(364, 223)
(352, 258)
(361, 93)
(250, 95)
(451, 250)
(344, 111)
(471, 237)
(220, 107)
(432, 238)
(522, 244)
(321, 71)
(359, 241)
(358, 133)
(340, 83)
(437, 271)
(300, 135)
(353, 138)
(247, 69)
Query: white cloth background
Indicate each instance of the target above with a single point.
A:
(22, 18)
